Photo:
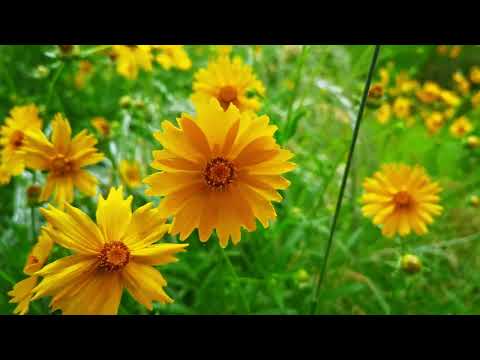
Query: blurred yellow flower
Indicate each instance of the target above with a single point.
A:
(117, 252)
(131, 174)
(476, 99)
(401, 198)
(434, 122)
(101, 125)
(475, 75)
(442, 49)
(461, 127)
(224, 50)
(22, 291)
(131, 58)
(404, 84)
(402, 107)
(462, 83)
(220, 170)
(448, 113)
(473, 141)
(5, 174)
(376, 91)
(429, 92)
(12, 136)
(84, 69)
(63, 158)
(172, 56)
(229, 82)
(450, 98)
(384, 77)
(383, 113)
(455, 51)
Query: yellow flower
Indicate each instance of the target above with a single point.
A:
(131, 58)
(218, 171)
(229, 82)
(384, 77)
(476, 99)
(448, 113)
(173, 56)
(130, 172)
(404, 84)
(101, 125)
(402, 107)
(473, 141)
(462, 83)
(376, 91)
(84, 69)
(442, 49)
(63, 158)
(12, 136)
(449, 98)
(383, 113)
(224, 50)
(455, 51)
(401, 199)
(429, 92)
(475, 75)
(117, 252)
(22, 291)
(461, 127)
(434, 122)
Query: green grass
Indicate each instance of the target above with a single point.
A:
(274, 270)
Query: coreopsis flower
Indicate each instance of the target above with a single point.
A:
(101, 125)
(229, 82)
(384, 77)
(455, 51)
(218, 171)
(476, 99)
(402, 107)
(404, 84)
(450, 98)
(434, 122)
(172, 56)
(12, 136)
(462, 83)
(119, 251)
(224, 50)
(5, 174)
(473, 141)
(85, 68)
(475, 75)
(22, 291)
(429, 93)
(461, 127)
(131, 58)
(130, 173)
(383, 113)
(410, 263)
(64, 159)
(376, 91)
(401, 198)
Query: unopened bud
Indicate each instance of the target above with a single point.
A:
(33, 195)
(125, 101)
(411, 264)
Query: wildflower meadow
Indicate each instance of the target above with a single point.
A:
(239, 179)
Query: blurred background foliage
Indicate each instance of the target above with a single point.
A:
(312, 96)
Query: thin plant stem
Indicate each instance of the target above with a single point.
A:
(52, 84)
(321, 277)
(236, 279)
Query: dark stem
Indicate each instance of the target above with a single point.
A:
(356, 129)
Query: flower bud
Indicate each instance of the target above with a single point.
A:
(33, 195)
(125, 101)
(410, 264)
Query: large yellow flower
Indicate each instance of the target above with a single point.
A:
(218, 171)
(63, 158)
(131, 58)
(401, 199)
(12, 135)
(131, 174)
(229, 82)
(173, 56)
(118, 252)
(461, 127)
(22, 291)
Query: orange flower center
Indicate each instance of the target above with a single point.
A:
(113, 257)
(402, 199)
(227, 95)
(132, 174)
(218, 173)
(61, 165)
(461, 129)
(16, 139)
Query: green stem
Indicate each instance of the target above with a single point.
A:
(94, 50)
(52, 84)
(356, 129)
(236, 280)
